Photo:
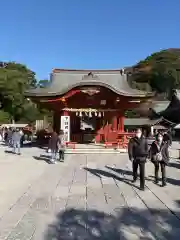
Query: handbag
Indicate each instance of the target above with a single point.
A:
(159, 157)
(159, 154)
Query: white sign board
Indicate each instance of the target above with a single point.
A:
(65, 126)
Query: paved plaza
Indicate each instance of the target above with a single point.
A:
(90, 196)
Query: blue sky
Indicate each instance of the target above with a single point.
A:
(82, 34)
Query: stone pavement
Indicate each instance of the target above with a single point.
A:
(87, 197)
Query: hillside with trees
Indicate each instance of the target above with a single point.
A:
(161, 71)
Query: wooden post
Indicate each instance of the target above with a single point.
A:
(121, 123)
(114, 123)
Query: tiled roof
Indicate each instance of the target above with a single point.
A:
(64, 80)
(140, 121)
(159, 106)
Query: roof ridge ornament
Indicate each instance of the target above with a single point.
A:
(90, 76)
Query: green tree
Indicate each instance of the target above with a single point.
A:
(161, 70)
(4, 117)
(15, 78)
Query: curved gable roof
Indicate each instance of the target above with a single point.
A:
(63, 81)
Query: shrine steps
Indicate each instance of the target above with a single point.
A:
(110, 151)
(93, 149)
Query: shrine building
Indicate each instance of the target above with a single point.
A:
(89, 105)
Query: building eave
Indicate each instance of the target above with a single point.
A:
(64, 80)
(49, 92)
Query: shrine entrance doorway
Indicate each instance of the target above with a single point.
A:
(84, 127)
(89, 126)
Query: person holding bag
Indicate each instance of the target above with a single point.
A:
(159, 156)
(61, 145)
(53, 146)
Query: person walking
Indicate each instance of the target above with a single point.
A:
(167, 137)
(138, 153)
(61, 145)
(16, 141)
(53, 146)
(6, 136)
(159, 156)
(9, 137)
(22, 137)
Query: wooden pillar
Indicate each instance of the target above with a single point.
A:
(100, 133)
(121, 123)
(114, 123)
(108, 126)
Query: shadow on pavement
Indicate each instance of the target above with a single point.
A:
(9, 151)
(171, 181)
(99, 173)
(174, 165)
(120, 171)
(125, 224)
(124, 172)
(42, 158)
(45, 156)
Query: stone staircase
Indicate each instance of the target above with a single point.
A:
(93, 149)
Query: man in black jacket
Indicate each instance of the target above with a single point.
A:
(138, 153)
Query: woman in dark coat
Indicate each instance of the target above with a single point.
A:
(159, 156)
(53, 146)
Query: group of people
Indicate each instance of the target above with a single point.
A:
(57, 146)
(13, 138)
(139, 151)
